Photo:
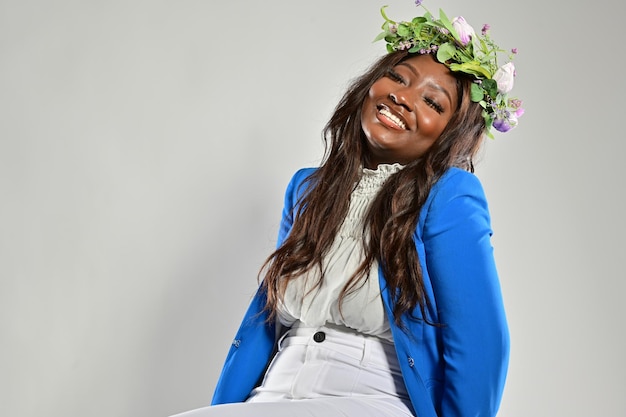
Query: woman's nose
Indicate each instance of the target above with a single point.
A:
(400, 99)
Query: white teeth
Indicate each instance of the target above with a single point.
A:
(392, 117)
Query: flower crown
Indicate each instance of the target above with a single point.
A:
(456, 45)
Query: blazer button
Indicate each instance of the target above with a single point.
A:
(411, 362)
(319, 337)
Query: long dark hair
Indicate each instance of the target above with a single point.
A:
(393, 215)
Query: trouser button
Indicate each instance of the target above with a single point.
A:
(319, 337)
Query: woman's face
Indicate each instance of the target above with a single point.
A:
(407, 110)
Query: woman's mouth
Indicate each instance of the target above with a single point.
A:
(390, 119)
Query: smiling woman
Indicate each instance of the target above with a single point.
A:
(408, 109)
(382, 297)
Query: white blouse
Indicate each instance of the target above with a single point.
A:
(363, 310)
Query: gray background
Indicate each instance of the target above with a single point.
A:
(144, 151)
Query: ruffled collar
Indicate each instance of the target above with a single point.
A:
(373, 179)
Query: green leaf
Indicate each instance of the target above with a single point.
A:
(477, 93)
(391, 38)
(472, 68)
(491, 87)
(447, 24)
(483, 46)
(445, 52)
(488, 125)
(382, 12)
(380, 36)
(403, 30)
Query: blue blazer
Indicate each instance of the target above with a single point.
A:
(457, 369)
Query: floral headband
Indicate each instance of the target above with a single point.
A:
(456, 45)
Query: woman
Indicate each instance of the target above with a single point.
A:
(382, 298)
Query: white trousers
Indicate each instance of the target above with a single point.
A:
(325, 371)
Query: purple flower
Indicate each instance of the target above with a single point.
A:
(515, 103)
(463, 28)
(486, 27)
(501, 125)
(504, 123)
(514, 50)
(404, 45)
(418, 2)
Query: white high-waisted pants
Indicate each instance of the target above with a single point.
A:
(325, 371)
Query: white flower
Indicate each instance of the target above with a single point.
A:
(464, 29)
(504, 77)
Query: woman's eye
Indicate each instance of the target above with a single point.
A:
(432, 103)
(395, 76)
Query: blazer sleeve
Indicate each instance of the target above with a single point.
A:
(297, 186)
(462, 270)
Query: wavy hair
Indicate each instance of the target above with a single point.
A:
(392, 217)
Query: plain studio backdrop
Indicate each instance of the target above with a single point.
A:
(145, 147)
